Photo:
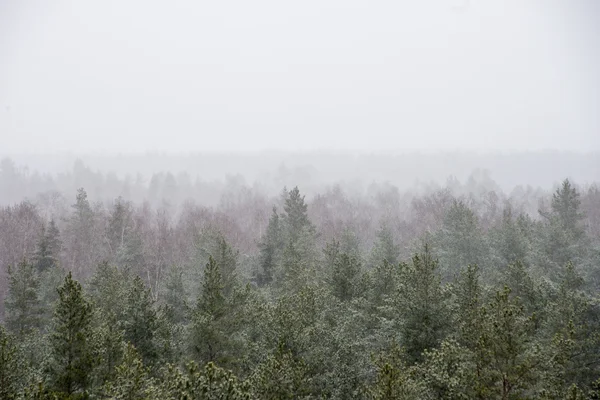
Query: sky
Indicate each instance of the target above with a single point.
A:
(237, 75)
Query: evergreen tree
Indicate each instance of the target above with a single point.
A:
(566, 204)
(140, 319)
(118, 225)
(510, 239)
(468, 298)
(270, 248)
(175, 296)
(506, 358)
(109, 287)
(345, 277)
(48, 248)
(80, 241)
(421, 304)
(460, 241)
(132, 380)
(207, 339)
(23, 308)
(71, 352)
(385, 248)
(10, 373)
(227, 259)
(280, 376)
(296, 214)
(394, 378)
(108, 345)
(208, 383)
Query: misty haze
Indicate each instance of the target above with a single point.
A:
(300, 200)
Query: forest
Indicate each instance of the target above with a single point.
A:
(460, 290)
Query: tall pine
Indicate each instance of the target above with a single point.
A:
(72, 360)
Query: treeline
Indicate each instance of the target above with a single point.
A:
(467, 297)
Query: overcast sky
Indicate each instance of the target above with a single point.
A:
(199, 75)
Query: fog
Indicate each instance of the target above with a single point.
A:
(189, 76)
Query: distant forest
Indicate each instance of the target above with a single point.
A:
(169, 286)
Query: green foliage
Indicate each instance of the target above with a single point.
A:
(48, 248)
(270, 247)
(395, 380)
(208, 340)
(506, 356)
(460, 241)
(345, 283)
(296, 216)
(280, 376)
(10, 373)
(424, 315)
(139, 320)
(208, 383)
(175, 296)
(23, 307)
(385, 249)
(71, 354)
(132, 380)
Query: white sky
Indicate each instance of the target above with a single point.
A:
(199, 75)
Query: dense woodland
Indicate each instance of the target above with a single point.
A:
(454, 291)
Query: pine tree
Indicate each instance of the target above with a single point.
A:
(280, 376)
(385, 248)
(468, 297)
(118, 224)
(394, 378)
(175, 296)
(270, 248)
(108, 345)
(132, 380)
(207, 339)
(10, 373)
(227, 259)
(421, 304)
(23, 307)
(80, 237)
(345, 277)
(208, 383)
(48, 248)
(71, 352)
(108, 288)
(139, 320)
(566, 206)
(505, 356)
(460, 241)
(296, 215)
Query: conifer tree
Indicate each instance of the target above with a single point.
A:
(296, 215)
(118, 225)
(270, 248)
(10, 373)
(207, 339)
(421, 304)
(505, 356)
(227, 259)
(48, 248)
(132, 380)
(385, 248)
(175, 296)
(280, 376)
(208, 383)
(23, 308)
(345, 277)
(468, 297)
(71, 350)
(139, 320)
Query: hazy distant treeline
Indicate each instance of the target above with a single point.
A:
(204, 176)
